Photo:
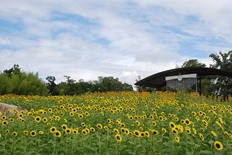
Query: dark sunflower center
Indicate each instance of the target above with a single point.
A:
(218, 146)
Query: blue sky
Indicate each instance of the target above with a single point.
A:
(86, 39)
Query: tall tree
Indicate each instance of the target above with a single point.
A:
(222, 85)
(51, 85)
(14, 70)
(193, 63)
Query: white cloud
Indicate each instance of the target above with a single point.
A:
(119, 38)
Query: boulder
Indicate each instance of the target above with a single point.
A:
(10, 109)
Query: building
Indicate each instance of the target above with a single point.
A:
(180, 78)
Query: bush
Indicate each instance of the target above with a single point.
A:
(14, 81)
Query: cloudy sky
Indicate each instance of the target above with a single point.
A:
(85, 39)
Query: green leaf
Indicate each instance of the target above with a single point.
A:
(197, 145)
(205, 152)
(211, 142)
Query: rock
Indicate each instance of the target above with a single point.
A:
(9, 109)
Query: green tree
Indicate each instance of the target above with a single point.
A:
(112, 84)
(103, 84)
(193, 63)
(15, 70)
(51, 85)
(222, 85)
(62, 88)
(83, 86)
(71, 87)
(18, 82)
(205, 82)
(5, 84)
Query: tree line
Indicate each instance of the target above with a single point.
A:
(71, 87)
(16, 81)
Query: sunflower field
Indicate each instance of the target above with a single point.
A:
(125, 123)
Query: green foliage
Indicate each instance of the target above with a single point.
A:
(222, 85)
(111, 84)
(21, 83)
(218, 85)
(193, 63)
(205, 81)
(51, 85)
(103, 84)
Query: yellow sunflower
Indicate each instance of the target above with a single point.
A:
(25, 132)
(33, 133)
(164, 130)
(137, 133)
(213, 133)
(174, 131)
(75, 131)
(41, 132)
(218, 145)
(116, 130)
(118, 138)
(84, 132)
(52, 129)
(37, 119)
(57, 133)
(64, 126)
(172, 125)
(154, 123)
(92, 129)
(99, 126)
(14, 133)
(45, 119)
(4, 122)
(177, 139)
(68, 131)
(155, 132)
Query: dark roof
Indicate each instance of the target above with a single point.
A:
(158, 80)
